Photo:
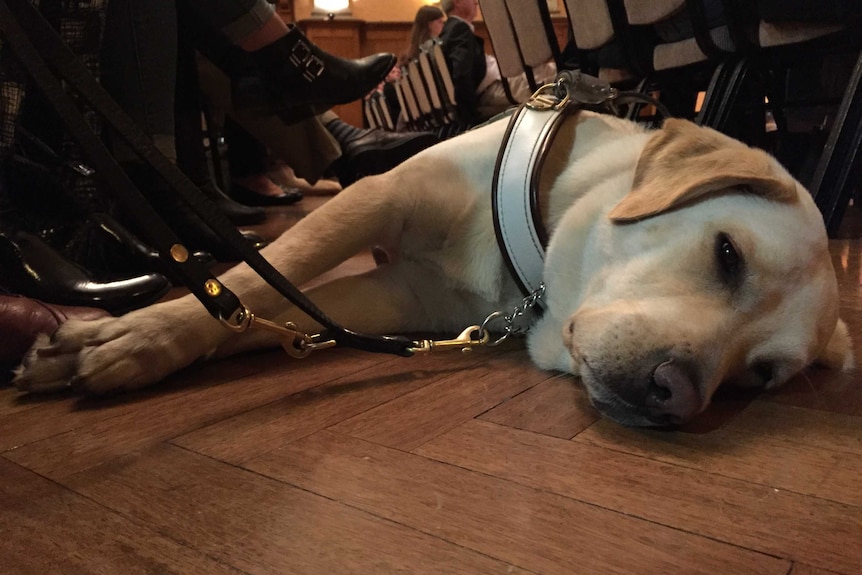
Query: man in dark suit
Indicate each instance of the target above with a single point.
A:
(465, 54)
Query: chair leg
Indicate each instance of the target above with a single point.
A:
(838, 170)
(722, 94)
(634, 110)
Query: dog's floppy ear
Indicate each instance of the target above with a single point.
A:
(684, 162)
(838, 353)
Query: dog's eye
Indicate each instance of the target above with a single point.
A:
(728, 259)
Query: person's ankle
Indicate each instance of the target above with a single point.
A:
(272, 30)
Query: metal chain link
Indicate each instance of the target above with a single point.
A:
(511, 328)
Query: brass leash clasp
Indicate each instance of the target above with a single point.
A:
(296, 343)
(468, 339)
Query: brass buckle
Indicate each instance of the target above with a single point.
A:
(545, 98)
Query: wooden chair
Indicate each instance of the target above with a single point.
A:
(681, 68)
(407, 99)
(377, 112)
(426, 93)
(839, 169)
(593, 30)
(782, 43)
(766, 47)
(521, 44)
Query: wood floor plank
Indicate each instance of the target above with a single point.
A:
(257, 431)
(11, 401)
(59, 413)
(741, 452)
(416, 417)
(151, 423)
(801, 569)
(263, 526)
(48, 529)
(518, 524)
(824, 390)
(814, 531)
(813, 427)
(558, 407)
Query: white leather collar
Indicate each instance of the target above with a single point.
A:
(518, 224)
(517, 216)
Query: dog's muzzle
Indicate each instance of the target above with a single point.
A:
(669, 395)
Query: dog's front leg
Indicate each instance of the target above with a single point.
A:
(388, 300)
(145, 346)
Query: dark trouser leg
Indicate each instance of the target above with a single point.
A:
(139, 55)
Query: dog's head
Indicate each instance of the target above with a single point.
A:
(713, 268)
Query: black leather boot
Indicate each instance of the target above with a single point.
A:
(295, 79)
(370, 152)
(239, 214)
(30, 267)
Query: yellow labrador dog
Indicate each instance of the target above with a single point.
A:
(678, 259)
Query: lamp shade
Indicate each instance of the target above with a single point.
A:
(336, 6)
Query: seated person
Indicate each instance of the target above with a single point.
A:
(479, 90)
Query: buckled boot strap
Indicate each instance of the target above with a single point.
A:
(294, 48)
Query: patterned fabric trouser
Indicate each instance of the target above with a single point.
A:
(80, 24)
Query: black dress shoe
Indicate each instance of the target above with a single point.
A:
(295, 79)
(143, 255)
(239, 214)
(34, 269)
(249, 197)
(378, 151)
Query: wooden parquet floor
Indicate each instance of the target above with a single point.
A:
(353, 463)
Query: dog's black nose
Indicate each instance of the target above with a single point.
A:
(673, 394)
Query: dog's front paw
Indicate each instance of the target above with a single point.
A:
(102, 356)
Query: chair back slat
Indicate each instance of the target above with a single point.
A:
(532, 37)
(434, 88)
(591, 23)
(641, 12)
(442, 70)
(410, 98)
(502, 33)
(419, 88)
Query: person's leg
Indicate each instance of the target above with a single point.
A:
(294, 78)
(191, 156)
(138, 66)
(250, 24)
(247, 159)
(367, 152)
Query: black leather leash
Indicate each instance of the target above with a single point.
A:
(23, 29)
